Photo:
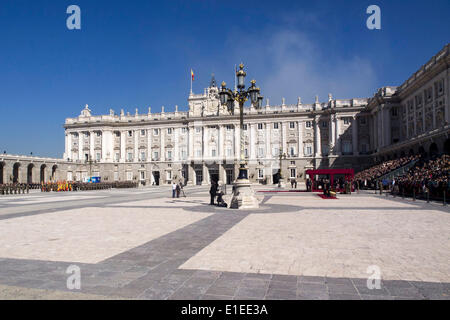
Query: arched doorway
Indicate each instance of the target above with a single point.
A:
(447, 146)
(54, 172)
(43, 173)
(2, 167)
(16, 169)
(30, 173)
(434, 151)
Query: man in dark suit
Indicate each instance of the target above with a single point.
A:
(213, 192)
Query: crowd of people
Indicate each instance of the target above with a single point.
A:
(368, 178)
(426, 178)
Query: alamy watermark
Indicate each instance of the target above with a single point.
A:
(374, 21)
(74, 280)
(374, 280)
(73, 22)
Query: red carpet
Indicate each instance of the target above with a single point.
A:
(326, 198)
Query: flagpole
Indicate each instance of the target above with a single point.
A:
(190, 76)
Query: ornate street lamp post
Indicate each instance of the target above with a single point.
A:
(280, 176)
(243, 195)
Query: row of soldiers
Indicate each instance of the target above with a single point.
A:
(15, 188)
(62, 186)
(85, 186)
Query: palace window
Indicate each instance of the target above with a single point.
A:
(347, 147)
(308, 124)
(116, 176)
(142, 156)
(98, 156)
(169, 130)
(129, 175)
(292, 125)
(324, 124)
(142, 175)
(142, 133)
(198, 129)
(183, 130)
(275, 125)
(229, 152)
(130, 156)
(155, 132)
(347, 120)
(155, 155)
(292, 151)
(260, 152)
(229, 127)
(308, 150)
(99, 133)
(169, 175)
(213, 152)
(130, 133)
(117, 156)
(293, 173)
(261, 173)
(260, 126)
(169, 155)
(275, 152)
(183, 154)
(244, 127)
(198, 153)
(246, 153)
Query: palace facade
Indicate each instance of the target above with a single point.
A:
(202, 143)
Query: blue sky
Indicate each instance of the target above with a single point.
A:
(135, 54)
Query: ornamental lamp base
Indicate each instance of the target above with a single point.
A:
(243, 196)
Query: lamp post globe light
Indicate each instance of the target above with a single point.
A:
(243, 194)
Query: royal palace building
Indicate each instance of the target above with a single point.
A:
(203, 143)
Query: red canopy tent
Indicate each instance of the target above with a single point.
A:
(348, 173)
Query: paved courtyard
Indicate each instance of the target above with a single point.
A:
(142, 244)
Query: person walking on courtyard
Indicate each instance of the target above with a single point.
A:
(177, 189)
(174, 189)
(213, 192)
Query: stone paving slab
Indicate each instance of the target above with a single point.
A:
(205, 252)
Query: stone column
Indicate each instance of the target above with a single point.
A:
(318, 147)
(205, 144)
(191, 143)
(283, 135)
(407, 120)
(105, 148)
(205, 174)
(252, 142)
(149, 148)
(191, 175)
(337, 142)
(433, 107)
(176, 145)
(355, 136)
(122, 145)
(91, 145)
(268, 140)
(80, 145)
(162, 145)
(332, 135)
(221, 173)
(387, 127)
(221, 142)
(300, 139)
(69, 147)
